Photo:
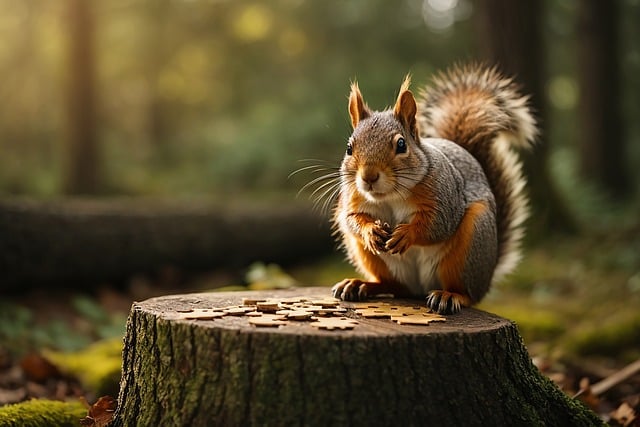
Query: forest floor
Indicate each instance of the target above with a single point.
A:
(575, 302)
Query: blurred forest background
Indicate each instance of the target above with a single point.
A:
(218, 100)
(223, 98)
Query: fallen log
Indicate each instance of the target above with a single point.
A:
(471, 369)
(74, 241)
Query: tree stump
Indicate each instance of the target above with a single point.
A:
(471, 369)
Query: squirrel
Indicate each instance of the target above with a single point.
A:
(431, 199)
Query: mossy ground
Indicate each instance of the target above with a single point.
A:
(42, 413)
(98, 366)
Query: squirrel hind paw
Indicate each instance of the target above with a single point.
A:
(444, 302)
(350, 290)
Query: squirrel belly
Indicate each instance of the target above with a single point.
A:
(431, 202)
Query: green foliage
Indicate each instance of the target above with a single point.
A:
(21, 330)
(42, 413)
(260, 277)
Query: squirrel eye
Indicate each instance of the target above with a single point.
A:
(349, 149)
(401, 146)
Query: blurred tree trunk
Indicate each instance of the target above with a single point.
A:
(83, 167)
(75, 242)
(158, 51)
(601, 133)
(509, 33)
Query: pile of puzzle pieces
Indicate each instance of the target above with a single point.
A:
(323, 313)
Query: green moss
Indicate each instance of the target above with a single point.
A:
(98, 366)
(615, 336)
(533, 324)
(42, 413)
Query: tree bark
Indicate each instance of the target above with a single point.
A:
(470, 370)
(73, 242)
(509, 33)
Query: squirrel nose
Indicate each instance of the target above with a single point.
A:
(370, 176)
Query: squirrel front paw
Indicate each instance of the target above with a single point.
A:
(445, 302)
(376, 235)
(350, 290)
(401, 239)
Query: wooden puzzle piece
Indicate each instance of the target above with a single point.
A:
(373, 312)
(326, 302)
(404, 310)
(293, 300)
(268, 321)
(299, 315)
(238, 311)
(268, 306)
(253, 314)
(200, 314)
(418, 319)
(333, 323)
(388, 310)
(331, 311)
(367, 304)
(252, 301)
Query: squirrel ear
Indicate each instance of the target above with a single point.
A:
(358, 110)
(405, 109)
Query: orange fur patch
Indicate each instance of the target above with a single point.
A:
(457, 248)
(423, 197)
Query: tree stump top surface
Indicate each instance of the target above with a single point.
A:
(170, 307)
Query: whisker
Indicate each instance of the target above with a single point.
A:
(324, 186)
(313, 169)
(327, 198)
(331, 176)
(330, 183)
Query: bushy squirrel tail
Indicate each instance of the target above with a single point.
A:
(482, 111)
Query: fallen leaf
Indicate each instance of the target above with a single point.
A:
(100, 413)
(624, 415)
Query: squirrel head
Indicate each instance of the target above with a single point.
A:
(383, 156)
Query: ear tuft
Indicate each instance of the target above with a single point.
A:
(358, 110)
(406, 83)
(406, 109)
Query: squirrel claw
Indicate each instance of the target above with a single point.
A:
(444, 302)
(350, 290)
(399, 241)
(377, 237)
